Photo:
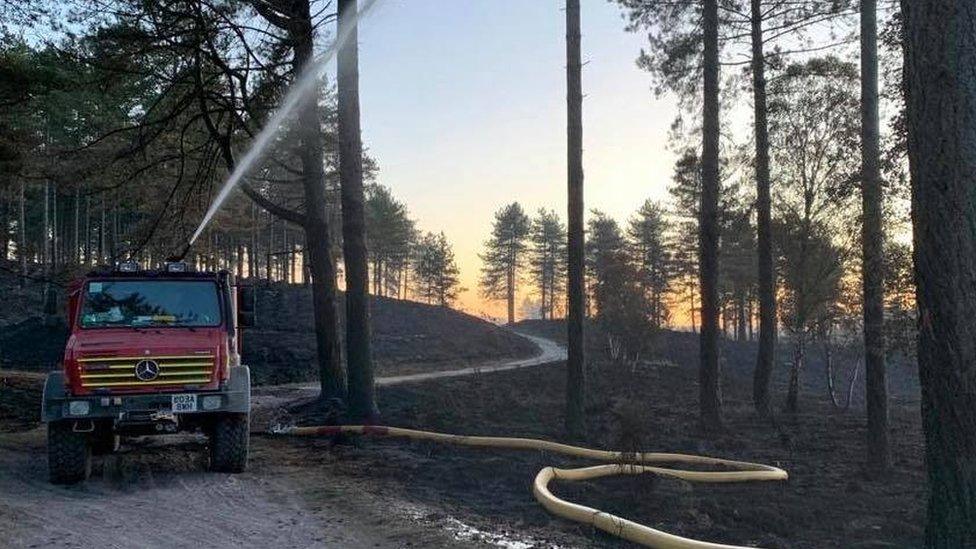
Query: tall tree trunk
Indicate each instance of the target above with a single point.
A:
(576, 360)
(542, 305)
(710, 399)
(102, 238)
(873, 245)
(55, 226)
(252, 247)
(741, 317)
(940, 87)
(5, 201)
(22, 226)
(268, 264)
(362, 395)
(50, 302)
(46, 234)
(114, 224)
(317, 230)
(766, 275)
(88, 247)
(793, 389)
(240, 260)
(751, 317)
(76, 241)
(510, 294)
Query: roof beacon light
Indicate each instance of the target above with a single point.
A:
(176, 267)
(130, 266)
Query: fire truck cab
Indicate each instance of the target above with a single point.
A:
(150, 352)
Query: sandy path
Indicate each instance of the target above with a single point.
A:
(549, 351)
(159, 496)
(155, 494)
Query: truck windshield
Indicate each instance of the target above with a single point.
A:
(138, 303)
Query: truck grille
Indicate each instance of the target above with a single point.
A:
(107, 372)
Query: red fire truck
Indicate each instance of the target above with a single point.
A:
(150, 352)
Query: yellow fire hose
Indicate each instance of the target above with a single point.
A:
(625, 464)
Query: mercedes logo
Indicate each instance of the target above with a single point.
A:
(147, 370)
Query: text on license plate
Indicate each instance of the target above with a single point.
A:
(184, 403)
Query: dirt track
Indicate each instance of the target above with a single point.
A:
(155, 494)
(550, 351)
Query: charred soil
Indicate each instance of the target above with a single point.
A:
(829, 501)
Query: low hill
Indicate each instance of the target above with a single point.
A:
(407, 336)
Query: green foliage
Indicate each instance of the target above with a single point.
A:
(814, 123)
(390, 236)
(547, 260)
(605, 248)
(435, 272)
(505, 253)
(625, 312)
(811, 267)
(901, 313)
(651, 257)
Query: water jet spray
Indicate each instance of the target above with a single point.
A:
(306, 83)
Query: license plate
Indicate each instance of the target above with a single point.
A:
(184, 403)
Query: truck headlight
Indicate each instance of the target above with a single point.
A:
(79, 408)
(211, 402)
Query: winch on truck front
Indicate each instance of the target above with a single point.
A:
(150, 352)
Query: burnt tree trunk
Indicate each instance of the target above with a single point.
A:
(22, 226)
(317, 229)
(709, 397)
(362, 396)
(88, 247)
(102, 239)
(576, 361)
(510, 292)
(5, 201)
(268, 260)
(766, 274)
(940, 89)
(793, 390)
(76, 241)
(872, 245)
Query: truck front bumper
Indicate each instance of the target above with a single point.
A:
(234, 397)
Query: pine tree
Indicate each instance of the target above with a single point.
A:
(505, 255)
(648, 249)
(872, 244)
(940, 93)
(435, 272)
(576, 284)
(547, 259)
(605, 245)
(390, 234)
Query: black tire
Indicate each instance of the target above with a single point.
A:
(229, 438)
(68, 453)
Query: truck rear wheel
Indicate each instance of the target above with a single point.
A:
(229, 440)
(68, 453)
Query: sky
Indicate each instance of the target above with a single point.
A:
(463, 106)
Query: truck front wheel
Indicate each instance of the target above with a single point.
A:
(229, 439)
(68, 453)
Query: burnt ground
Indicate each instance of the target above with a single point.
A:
(407, 337)
(20, 400)
(829, 501)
